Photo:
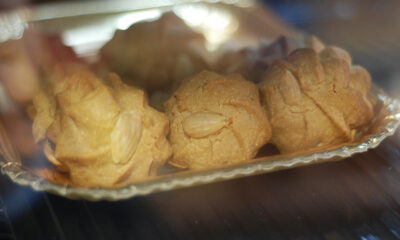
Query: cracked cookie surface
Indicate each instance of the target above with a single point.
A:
(215, 121)
(316, 99)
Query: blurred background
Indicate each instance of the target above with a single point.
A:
(368, 29)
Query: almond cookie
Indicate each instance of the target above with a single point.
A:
(102, 132)
(216, 121)
(316, 99)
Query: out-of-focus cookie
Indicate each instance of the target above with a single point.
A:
(156, 55)
(216, 121)
(25, 62)
(316, 99)
(252, 62)
(102, 133)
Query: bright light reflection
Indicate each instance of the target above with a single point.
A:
(193, 15)
(126, 20)
(87, 40)
(12, 26)
(216, 24)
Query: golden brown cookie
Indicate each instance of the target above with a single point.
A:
(216, 121)
(156, 55)
(102, 133)
(315, 100)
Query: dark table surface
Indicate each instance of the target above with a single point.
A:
(356, 198)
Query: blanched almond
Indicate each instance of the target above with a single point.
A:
(203, 124)
(126, 136)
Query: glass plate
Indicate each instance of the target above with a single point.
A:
(87, 26)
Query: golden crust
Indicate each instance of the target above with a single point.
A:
(315, 100)
(104, 134)
(216, 121)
